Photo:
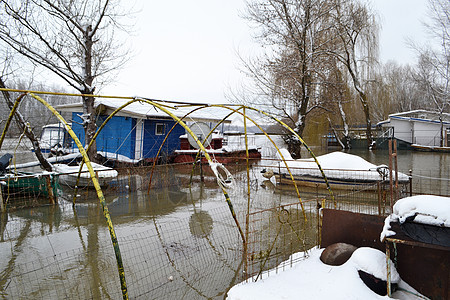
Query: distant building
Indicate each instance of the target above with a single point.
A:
(418, 127)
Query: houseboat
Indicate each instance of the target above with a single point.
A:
(135, 134)
(418, 130)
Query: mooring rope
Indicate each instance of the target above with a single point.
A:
(429, 177)
(227, 182)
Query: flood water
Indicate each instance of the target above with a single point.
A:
(177, 242)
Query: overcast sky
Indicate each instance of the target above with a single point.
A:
(186, 50)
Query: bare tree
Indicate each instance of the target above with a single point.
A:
(294, 34)
(20, 120)
(336, 91)
(303, 40)
(24, 127)
(73, 39)
(433, 69)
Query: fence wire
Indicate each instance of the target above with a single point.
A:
(176, 243)
(193, 258)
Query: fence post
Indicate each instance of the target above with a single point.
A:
(51, 196)
(379, 197)
(391, 185)
(410, 183)
(2, 205)
(396, 170)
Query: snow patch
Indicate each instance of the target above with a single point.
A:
(373, 261)
(309, 278)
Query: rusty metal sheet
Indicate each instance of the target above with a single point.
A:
(360, 230)
(424, 267)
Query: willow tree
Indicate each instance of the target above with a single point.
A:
(356, 48)
(295, 35)
(73, 39)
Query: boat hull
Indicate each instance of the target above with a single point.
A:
(68, 175)
(29, 185)
(71, 180)
(189, 156)
(335, 184)
(430, 148)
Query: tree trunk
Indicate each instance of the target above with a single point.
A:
(363, 99)
(336, 135)
(88, 102)
(89, 126)
(346, 137)
(370, 141)
(27, 130)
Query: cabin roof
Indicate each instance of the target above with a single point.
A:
(142, 110)
(418, 115)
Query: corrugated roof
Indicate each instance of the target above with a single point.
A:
(145, 110)
(418, 115)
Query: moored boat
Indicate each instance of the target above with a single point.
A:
(14, 184)
(425, 148)
(342, 170)
(68, 174)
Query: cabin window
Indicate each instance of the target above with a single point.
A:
(160, 129)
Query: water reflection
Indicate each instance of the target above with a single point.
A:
(200, 224)
(168, 233)
(430, 170)
(177, 242)
(3, 222)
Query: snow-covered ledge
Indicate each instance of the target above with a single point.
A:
(424, 209)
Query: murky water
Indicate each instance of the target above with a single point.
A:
(176, 242)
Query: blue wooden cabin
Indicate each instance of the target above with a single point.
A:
(136, 132)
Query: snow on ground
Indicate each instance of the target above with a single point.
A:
(309, 278)
(427, 209)
(337, 165)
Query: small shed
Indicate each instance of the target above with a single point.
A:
(419, 127)
(139, 129)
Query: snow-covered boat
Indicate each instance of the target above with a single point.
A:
(54, 138)
(343, 171)
(68, 174)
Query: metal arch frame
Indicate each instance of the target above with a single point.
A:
(180, 121)
(98, 189)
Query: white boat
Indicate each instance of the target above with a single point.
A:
(54, 137)
(68, 174)
(343, 171)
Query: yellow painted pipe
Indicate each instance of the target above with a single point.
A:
(100, 195)
(8, 121)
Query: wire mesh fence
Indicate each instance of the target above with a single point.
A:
(26, 190)
(190, 258)
(276, 233)
(431, 182)
(176, 242)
